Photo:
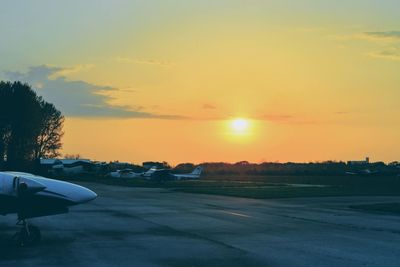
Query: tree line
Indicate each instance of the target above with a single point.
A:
(244, 168)
(292, 168)
(30, 127)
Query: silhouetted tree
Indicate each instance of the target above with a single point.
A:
(159, 165)
(48, 142)
(184, 167)
(30, 127)
(72, 156)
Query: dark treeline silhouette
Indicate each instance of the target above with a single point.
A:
(158, 165)
(184, 168)
(30, 127)
(291, 168)
(244, 168)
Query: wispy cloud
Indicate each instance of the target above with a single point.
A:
(276, 117)
(78, 98)
(144, 61)
(208, 106)
(382, 35)
(388, 42)
(287, 119)
(342, 112)
(390, 54)
(63, 72)
(310, 29)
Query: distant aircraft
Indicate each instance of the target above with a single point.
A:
(126, 173)
(195, 174)
(31, 196)
(153, 171)
(157, 174)
(165, 174)
(362, 172)
(68, 166)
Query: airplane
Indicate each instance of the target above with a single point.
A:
(362, 172)
(195, 174)
(153, 171)
(126, 173)
(30, 196)
(165, 174)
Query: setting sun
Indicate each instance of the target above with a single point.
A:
(240, 126)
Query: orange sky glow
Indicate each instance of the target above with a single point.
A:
(165, 80)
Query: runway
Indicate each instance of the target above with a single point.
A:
(157, 227)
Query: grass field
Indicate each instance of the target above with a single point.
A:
(264, 187)
(270, 187)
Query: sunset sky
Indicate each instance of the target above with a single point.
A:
(165, 80)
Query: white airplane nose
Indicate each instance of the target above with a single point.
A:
(88, 195)
(82, 194)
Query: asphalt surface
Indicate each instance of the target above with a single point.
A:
(157, 227)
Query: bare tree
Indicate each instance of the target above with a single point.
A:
(72, 156)
(48, 141)
(30, 128)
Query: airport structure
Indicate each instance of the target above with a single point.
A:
(67, 166)
(358, 162)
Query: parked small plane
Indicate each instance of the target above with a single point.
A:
(153, 171)
(157, 174)
(362, 172)
(31, 196)
(126, 173)
(165, 174)
(195, 174)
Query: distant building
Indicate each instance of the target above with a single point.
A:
(67, 166)
(49, 162)
(358, 162)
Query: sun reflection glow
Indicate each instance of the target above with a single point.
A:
(240, 126)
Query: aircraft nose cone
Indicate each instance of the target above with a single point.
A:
(89, 195)
(83, 194)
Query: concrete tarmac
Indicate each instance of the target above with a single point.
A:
(157, 227)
